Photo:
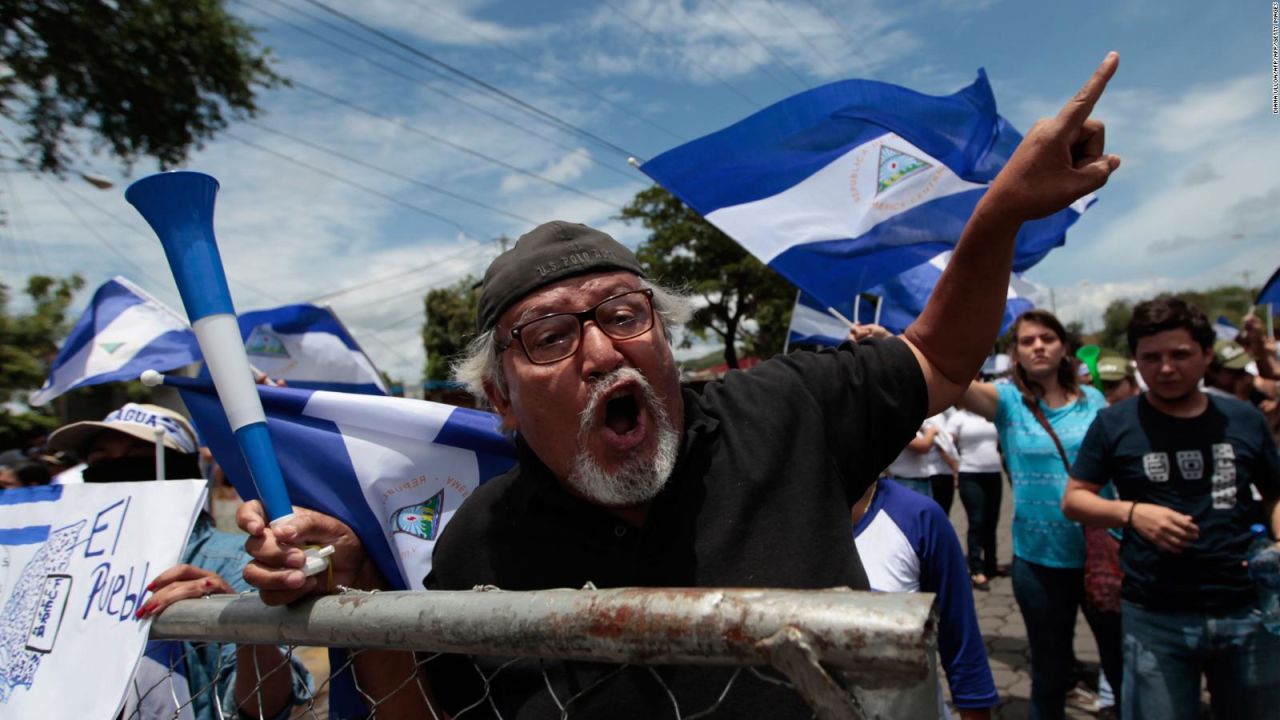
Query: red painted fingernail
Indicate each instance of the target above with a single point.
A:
(152, 586)
(208, 583)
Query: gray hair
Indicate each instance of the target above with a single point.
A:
(479, 363)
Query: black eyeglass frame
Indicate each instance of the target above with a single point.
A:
(582, 317)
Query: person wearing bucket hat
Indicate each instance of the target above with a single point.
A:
(626, 478)
(122, 448)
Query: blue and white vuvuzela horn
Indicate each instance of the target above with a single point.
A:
(179, 207)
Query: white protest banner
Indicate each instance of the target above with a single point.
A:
(75, 561)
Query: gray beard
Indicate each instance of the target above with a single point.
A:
(640, 479)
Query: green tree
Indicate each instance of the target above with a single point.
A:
(740, 292)
(1231, 301)
(141, 77)
(28, 343)
(451, 323)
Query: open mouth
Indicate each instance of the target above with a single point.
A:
(622, 417)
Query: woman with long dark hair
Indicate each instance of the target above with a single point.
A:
(1042, 417)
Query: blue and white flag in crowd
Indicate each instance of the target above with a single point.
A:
(1224, 329)
(843, 187)
(308, 347)
(901, 300)
(395, 470)
(123, 332)
(1270, 294)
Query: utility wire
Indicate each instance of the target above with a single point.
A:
(804, 84)
(334, 176)
(566, 80)
(119, 221)
(805, 37)
(768, 69)
(392, 173)
(435, 262)
(853, 41)
(496, 91)
(460, 148)
(755, 104)
(100, 237)
(418, 81)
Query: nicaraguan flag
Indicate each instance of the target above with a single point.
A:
(844, 186)
(812, 324)
(902, 299)
(308, 347)
(1224, 329)
(123, 332)
(393, 469)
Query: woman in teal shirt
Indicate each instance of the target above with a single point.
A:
(1048, 549)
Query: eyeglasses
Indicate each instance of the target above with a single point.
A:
(552, 338)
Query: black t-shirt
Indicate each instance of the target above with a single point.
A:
(1207, 467)
(770, 463)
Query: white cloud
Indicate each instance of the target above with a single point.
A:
(564, 170)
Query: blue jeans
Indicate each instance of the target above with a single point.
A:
(1165, 654)
(920, 485)
(1048, 599)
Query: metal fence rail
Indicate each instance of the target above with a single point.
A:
(849, 654)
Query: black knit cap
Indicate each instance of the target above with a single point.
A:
(547, 254)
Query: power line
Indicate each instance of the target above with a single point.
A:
(460, 148)
(756, 104)
(419, 81)
(568, 81)
(777, 58)
(853, 41)
(476, 81)
(803, 36)
(435, 262)
(392, 173)
(119, 221)
(352, 183)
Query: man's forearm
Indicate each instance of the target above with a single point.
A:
(960, 323)
(1087, 508)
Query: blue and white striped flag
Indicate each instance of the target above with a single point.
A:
(395, 470)
(902, 299)
(308, 347)
(1224, 329)
(123, 332)
(843, 187)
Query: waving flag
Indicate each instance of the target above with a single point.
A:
(1270, 294)
(308, 347)
(394, 470)
(844, 186)
(902, 299)
(1224, 329)
(123, 332)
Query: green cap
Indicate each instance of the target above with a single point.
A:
(1230, 354)
(1112, 366)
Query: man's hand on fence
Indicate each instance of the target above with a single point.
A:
(181, 582)
(276, 569)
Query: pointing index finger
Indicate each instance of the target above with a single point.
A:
(1077, 109)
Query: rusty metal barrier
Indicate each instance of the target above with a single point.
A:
(847, 654)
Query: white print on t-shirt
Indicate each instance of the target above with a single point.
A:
(1156, 466)
(1224, 477)
(1190, 464)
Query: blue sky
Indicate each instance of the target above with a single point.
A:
(1196, 203)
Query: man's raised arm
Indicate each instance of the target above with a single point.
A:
(1060, 160)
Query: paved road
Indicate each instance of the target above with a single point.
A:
(1003, 629)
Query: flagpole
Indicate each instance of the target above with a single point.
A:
(879, 301)
(857, 301)
(836, 314)
(159, 453)
(786, 344)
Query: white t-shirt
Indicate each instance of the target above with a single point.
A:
(977, 440)
(910, 464)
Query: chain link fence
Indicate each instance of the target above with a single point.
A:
(488, 653)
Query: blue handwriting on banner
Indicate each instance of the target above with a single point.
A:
(112, 589)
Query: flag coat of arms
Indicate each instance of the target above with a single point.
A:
(844, 186)
(393, 469)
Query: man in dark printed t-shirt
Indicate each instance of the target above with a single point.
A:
(1193, 471)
